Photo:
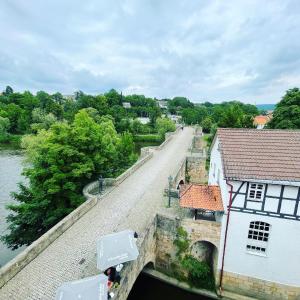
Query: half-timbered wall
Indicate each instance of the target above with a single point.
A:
(279, 201)
(280, 208)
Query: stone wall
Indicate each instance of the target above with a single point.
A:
(198, 230)
(27, 255)
(147, 246)
(156, 247)
(257, 288)
(195, 168)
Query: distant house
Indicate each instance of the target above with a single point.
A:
(126, 105)
(144, 120)
(162, 104)
(261, 121)
(69, 97)
(258, 172)
(174, 118)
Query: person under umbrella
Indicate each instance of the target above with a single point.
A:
(117, 248)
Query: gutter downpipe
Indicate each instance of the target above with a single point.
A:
(225, 238)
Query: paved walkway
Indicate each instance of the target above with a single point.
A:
(131, 205)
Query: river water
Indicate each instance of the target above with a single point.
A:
(10, 174)
(148, 288)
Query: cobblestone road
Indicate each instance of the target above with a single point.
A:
(131, 205)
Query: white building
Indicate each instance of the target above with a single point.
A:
(258, 172)
(144, 120)
(126, 104)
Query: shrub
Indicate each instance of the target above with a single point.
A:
(199, 273)
(147, 138)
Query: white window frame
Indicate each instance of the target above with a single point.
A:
(219, 176)
(256, 191)
(258, 238)
(214, 173)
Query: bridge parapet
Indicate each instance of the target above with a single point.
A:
(92, 189)
(90, 192)
(147, 250)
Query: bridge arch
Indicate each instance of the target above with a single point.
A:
(207, 251)
(181, 182)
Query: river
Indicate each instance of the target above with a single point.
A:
(148, 288)
(10, 174)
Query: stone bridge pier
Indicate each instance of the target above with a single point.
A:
(156, 246)
(147, 254)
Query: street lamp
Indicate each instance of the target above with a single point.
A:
(170, 179)
(100, 184)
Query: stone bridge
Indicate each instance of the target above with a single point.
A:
(157, 249)
(68, 251)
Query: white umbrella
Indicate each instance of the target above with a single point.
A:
(90, 288)
(116, 248)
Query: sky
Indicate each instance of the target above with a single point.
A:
(204, 50)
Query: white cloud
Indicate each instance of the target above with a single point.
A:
(205, 50)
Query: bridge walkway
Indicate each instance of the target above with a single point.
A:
(130, 205)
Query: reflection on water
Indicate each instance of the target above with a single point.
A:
(10, 175)
(148, 288)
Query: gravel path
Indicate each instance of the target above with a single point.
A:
(131, 205)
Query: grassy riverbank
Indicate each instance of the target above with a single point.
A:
(11, 141)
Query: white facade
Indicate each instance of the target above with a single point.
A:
(273, 252)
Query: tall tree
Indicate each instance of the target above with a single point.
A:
(287, 112)
(8, 91)
(63, 159)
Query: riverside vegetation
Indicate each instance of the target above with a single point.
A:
(187, 268)
(69, 141)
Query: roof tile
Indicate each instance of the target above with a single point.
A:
(260, 154)
(206, 197)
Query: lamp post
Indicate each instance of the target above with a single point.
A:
(170, 178)
(100, 184)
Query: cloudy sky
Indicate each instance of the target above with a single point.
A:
(204, 50)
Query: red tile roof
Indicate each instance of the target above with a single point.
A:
(261, 120)
(206, 197)
(260, 154)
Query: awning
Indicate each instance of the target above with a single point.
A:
(90, 288)
(116, 248)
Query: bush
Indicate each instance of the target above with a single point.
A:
(155, 138)
(199, 273)
(164, 125)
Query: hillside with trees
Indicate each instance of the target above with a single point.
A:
(70, 140)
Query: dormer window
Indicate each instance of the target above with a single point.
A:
(256, 191)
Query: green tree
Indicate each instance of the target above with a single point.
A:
(41, 120)
(8, 91)
(206, 124)
(63, 159)
(4, 126)
(163, 125)
(287, 112)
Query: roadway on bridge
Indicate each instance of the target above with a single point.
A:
(131, 205)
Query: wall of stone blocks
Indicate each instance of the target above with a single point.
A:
(196, 171)
(198, 230)
(258, 288)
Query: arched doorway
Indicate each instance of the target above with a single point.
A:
(206, 251)
(181, 182)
